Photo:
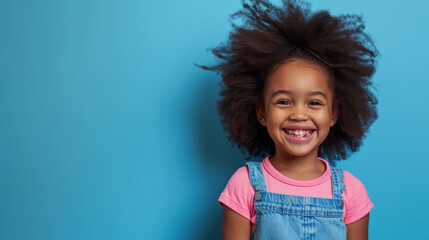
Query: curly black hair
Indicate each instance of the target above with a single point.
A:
(266, 36)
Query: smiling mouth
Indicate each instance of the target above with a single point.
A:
(298, 133)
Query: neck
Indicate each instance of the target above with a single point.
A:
(299, 168)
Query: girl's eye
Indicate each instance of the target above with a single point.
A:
(315, 103)
(283, 102)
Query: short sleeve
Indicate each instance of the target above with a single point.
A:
(238, 194)
(356, 200)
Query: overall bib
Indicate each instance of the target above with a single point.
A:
(281, 216)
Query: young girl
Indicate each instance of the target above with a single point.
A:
(296, 87)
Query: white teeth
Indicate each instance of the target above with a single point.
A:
(299, 133)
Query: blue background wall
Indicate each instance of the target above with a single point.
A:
(108, 131)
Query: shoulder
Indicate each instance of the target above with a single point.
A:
(238, 193)
(239, 182)
(353, 184)
(356, 199)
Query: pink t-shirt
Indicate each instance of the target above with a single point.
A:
(238, 193)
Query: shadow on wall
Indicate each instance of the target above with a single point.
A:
(219, 159)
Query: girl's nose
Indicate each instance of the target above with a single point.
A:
(298, 114)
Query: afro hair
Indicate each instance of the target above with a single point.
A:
(266, 36)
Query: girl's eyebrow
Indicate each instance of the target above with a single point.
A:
(315, 93)
(281, 92)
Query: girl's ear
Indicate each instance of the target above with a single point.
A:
(260, 112)
(334, 116)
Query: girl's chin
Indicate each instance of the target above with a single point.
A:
(299, 150)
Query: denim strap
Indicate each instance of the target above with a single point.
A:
(256, 176)
(337, 183)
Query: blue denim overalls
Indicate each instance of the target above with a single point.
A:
(280, 216)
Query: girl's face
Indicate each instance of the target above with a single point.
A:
(298, 108)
